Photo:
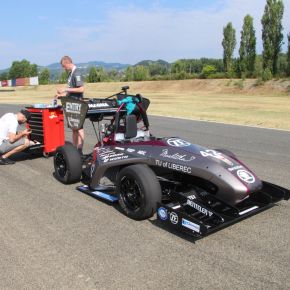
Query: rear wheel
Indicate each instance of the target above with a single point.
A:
(67, 164)
(139, 191)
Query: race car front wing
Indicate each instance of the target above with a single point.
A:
(200, 218)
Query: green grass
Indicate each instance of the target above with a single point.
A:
(234, 102)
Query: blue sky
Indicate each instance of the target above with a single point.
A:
(124, 31)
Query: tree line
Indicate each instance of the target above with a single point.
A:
(271, 63)
(20, 69)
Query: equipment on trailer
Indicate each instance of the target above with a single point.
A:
(47, 128)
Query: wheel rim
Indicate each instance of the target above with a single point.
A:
(60, 164)
(130, 192)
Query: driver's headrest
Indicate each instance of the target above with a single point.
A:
(131, 127)
(139, 98)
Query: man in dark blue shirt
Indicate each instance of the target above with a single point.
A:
(75, 89)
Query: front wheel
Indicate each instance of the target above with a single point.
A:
(139, 191)
(67, 164)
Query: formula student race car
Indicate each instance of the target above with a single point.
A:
(195, 189)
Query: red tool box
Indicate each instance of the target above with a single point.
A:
(47, 126)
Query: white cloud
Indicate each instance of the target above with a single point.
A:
(130, 35)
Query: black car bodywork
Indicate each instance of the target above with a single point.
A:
(195, 189)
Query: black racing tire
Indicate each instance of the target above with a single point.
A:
(67, 164)
(139, 191)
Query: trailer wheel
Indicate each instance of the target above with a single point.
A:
(45, 155)
(139, 191)
(67, 164)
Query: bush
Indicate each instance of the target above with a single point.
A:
(208, 70)
(267, 75)
(180, 76)
(217, 75)
(230, 74)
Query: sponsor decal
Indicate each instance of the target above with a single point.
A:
(199, 208)
(190, 225)
(130, 150)
(246, 176)
(176, 142)
(99, 105)
(191, 197)
(217, 155)
(162, 213)
(73, 108)
(235, 168)
(173, 166)
(174, 218)
(141, 152)
(176, 156)
(52, 115)
(73, 122)
(120, 148)
(107, 154)
(114, 157)
(105, 151)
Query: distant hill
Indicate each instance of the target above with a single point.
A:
(151, 62)
(4, 70)
(55, 68)
(86, 65)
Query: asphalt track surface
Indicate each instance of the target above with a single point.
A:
(54, 237)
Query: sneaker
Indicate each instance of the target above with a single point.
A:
(33, 143)
(146, 133)
(6, 161)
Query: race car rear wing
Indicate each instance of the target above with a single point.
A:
(76, 111)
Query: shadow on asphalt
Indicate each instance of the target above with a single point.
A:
(155, 222)
(26, 156)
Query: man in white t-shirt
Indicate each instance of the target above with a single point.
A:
(11, 141)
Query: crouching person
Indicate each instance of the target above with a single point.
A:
(11, 141)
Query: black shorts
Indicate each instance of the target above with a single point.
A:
(76, 97)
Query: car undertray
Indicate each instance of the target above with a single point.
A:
(200, 217)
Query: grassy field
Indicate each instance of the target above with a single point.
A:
(229, 101)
